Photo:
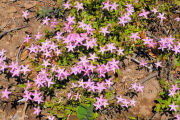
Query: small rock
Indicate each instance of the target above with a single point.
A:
(24, 55)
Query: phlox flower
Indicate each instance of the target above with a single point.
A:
(142, 63)
(114, 6)
(45, 21)
(5, 93)
(67, 5)
(104, 31)
(173, 107)
(27, 38)
(134, 36)
(144, 13)
(53, 23)
(77, 96)
(25, 14)
(107, 5)
(120, 99)
(161, 16)
(158, 64)
(79, 6)
(120, 51)
(154, 10)
(100, 87)
(36, 110)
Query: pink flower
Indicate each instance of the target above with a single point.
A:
(142, 63)
(79, 6)
(104, 31)
(144, 13)
(175, 87)
(81, 83)
(132, 102)
(70, 47)
(154, 10)
(46, 63)
(100, 87)
(45, 21)
(106, 5)
(171, 93)
(177, 19)
(93, 57)
(69, 95)
(70, 20)
(100, 102)
(158, 64)
(134, 36)
(134, 86)
(102, 49)
(38, 36)
(5, 93)
(120, 99)
(36, 111)
(25, 14)
(25, 69)
(125, 103)
(122, 20)
(120, 51)
(27, 95)
(37, 97)
(114, 6)
(161, 16)
(67, 5)
(177, 117)
(49, 82)
(77, 96)
(58, 36)
(140, 88)
(27, 38)
(109, 83)
(176, 49)
(111, 47)
(54, 23)
(173, 107)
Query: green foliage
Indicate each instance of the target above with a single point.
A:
(85, 112)
(22, 85)
(94, 15)
(45, 11)
(162, 103)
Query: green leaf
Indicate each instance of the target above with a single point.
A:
(177, 63)
(158, 107)
(22, 85)
(84, 112)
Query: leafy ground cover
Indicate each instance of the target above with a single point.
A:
(95, 60)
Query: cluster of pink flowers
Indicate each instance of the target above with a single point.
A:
(167, 43)
(126, 17)
(125, 102)
(136, 87)
(163, 43)
(174, 90)
(71, 41)
(78, 6)
(109, 6)
(100, 102)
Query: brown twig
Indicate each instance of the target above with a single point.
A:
(24, 111)
(136, 61)
(149, 77)
(11, 30)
